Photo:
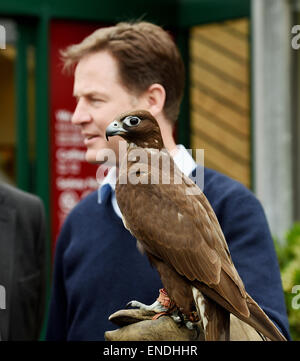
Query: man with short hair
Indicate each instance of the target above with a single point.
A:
(98, 268)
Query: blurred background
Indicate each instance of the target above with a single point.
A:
(240, 105)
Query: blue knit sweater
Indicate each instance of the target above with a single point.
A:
(98, 268)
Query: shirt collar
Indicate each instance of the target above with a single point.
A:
(181, 156)
(111, 178)
(184, 160)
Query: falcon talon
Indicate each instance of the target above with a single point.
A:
(177, 319)
(190, 325)
(128, 305)
(177, 316)
(134, 304)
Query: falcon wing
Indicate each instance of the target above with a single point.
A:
(184, 232)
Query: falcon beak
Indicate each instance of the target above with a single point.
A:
(115, 128)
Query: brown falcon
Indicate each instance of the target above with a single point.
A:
(176, 227)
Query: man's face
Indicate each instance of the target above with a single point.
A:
(100, 98)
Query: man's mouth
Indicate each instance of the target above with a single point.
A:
(90, 138)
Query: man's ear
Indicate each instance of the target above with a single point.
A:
(155, 97)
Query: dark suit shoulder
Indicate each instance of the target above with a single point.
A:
(29, 208)
(14, 196)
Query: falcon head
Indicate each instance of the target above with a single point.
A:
(138, 127)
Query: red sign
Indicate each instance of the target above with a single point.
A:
(72, 178)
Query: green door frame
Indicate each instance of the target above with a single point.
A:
(22, 153)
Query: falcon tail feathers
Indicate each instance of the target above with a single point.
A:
(261, 322)
(257, 319)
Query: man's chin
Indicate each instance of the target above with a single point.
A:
(90, 157)
(102, 156)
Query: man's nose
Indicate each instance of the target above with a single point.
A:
(81, 114)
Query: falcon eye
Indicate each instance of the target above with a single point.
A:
(132, 121)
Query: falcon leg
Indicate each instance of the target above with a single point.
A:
(156, 306)
(162, 303)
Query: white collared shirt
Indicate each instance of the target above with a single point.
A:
(182, 158)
